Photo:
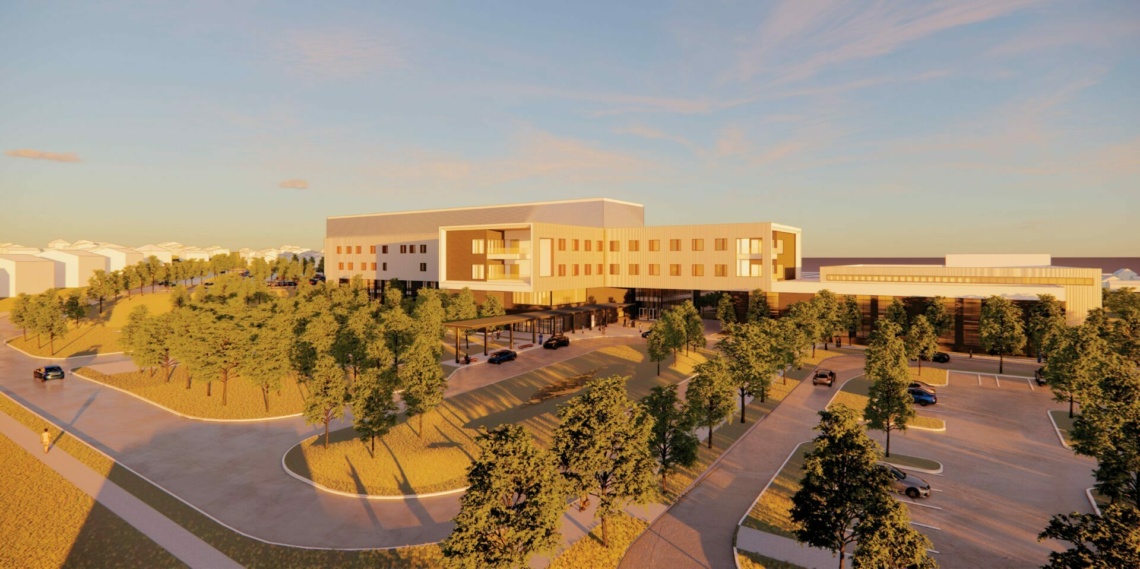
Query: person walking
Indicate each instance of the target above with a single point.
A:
(46, 438)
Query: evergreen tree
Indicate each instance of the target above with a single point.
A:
(429, 312)
(130, 278)
(889, 406)
(709, 398)
(1108, 541)
(671, 328)
(751, 361)
(462, 306)
(921, 341)
(513, 505)
(1000, 329)
(602, 445)
(673, 441)
(48, 317)
(132, 330)
(1046, 321)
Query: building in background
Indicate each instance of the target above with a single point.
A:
(25, 274)
(74, 267)
(118, 257)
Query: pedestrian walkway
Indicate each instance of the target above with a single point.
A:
(167, 534)
(784, 549)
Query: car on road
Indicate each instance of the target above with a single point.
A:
(1039, 376)
(922, 396)
(502, 356)
(909, 484)
(48, 373)
(556, 342)
(941, 357)
(823, 377)
(646, 333)
(923, 386)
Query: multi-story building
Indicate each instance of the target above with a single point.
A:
(592, 251)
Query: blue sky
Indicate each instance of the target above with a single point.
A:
(880, 128)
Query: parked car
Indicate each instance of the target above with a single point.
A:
(909, 484)
(646, 333)
(823, 377)
(47, 373)
(502, 356)
(923, 386)
(1039, 376)
(556, 342)
(922, 396)
(941, 357)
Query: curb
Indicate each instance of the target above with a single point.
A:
(377, 497)
(173, 412)
(1092, 501)
(914, 468)
(930, 429)
(8, 343)
(196, 508)
(1056, 429)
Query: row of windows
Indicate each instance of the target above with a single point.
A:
(634, 245)
(675, 270)
(364, 266)
(963, 280)
(406, 249)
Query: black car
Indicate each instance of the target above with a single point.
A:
(502, 356)
(556, 342)
(48, 372)
(823, 377)
(1039, 376)
(646, 333)
(941, 357)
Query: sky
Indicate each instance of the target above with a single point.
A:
(880, 128)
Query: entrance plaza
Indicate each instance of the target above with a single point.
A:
(569, 320)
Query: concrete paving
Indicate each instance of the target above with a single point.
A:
(785, 549)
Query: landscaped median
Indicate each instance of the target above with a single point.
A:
(245, 401)
(406, 463)
(1063, 423)
(95, 334)
(854, 395)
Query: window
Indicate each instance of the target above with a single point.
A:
(411, 249)
(674, 270)
(748, 268)
(383, 266)
(358, 249)
(600, 246)
(633, 270)
(384, 249)
(600, 269)
(350, 266)
(545, 257)
(574, 245)
(340, 266)
(589, 245)
(338, 249)
(698, 244)
(614, 247)
(423, 267)
(721, 244)
(561, 244)
(674, 244)
(423, 248)
(403, 249)
(614, 269)
(575, 266)
(721, 270)
(372, 250)
(373, 266)
(654, 244)
(478, 272)
(561, 270)
(478, 246)
(654, 270)
(746, 246)
(589, 267)
(698, 270)
(634, 245)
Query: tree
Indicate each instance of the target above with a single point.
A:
(656, 346)
(21, 314)
(841, 482)
(374, 407)
(671, 327)
(1000, 329)
(827, 310)
(156, 342)
(751, 361)
(75, 307)
(709, 398)
(889, 406)
(694, 328)
(921, 341)
(850, 317)
(758, 308)
(134, 327)
(267, 356)
(179, 297)
(673, 441)
(807, 321)
(602, 445)
(940, 318)
(130, 278)
(1108, 429)
(102, 285)
(896, 313)
(429, 312)
(725, 311)
(422, 379)
(1077, 357)
(513, 505)
(47, 316)
(887, 540)
(491, 306)
(1107, 541)
(1046, 320)
(225, 341)
(462, 306)
(787, 344)
(328, 391)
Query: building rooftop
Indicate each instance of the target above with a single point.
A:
(496, 206)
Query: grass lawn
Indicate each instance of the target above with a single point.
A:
(931, 375)
(821, 354)
(589, 553)
(48, 522)
(772, 511)
(903, 461)
(749, 560)
(854, 395)
(247, 552)
(1064, 424)
(244, 400)
(406, 463)
(98, 333)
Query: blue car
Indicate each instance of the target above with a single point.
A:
(501, 356)
(922, 396)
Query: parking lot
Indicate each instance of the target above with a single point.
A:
(1005, 472)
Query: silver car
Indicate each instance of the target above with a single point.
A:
(909, 484)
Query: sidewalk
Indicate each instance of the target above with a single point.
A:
(784, 549)
(167, 534)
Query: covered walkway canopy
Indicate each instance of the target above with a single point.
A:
(568, 317)
(508, 320)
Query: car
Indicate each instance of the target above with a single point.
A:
(823, 377)
(502, 356)
(1039, 376)
(941, 357)
(47, 373)
(923, 386)
(922, 396)
(909, 484)
(646, 333)
(556, 342)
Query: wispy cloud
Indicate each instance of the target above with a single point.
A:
(657, 134)
(294, 183)
(336, 53)
(41, 155)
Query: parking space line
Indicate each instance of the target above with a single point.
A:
(998, 381)
(935, 489)
(913, 503)
(979, 378)
(1030, 382)
(914, 523)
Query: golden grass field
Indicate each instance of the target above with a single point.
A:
(247, 552)
(749, 560)
(96, 334)
(931, 375)
(244, 401)
(589, 553)
(48, 522)
(1064, 423)
(406, 463)
(854, 395)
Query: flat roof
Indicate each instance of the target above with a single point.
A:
(488, 207)
(489, 321)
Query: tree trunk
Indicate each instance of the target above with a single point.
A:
(209, 388)
(888, 440)
(51, 342)
(813, 349)
(326, 432)
(658, 367)
(663, 480)
(265, 396)
(842, 558)
(1001, 362)
(741, 406)
(421, 425)
(100, 305)
(710, 436)
(188, 377)
(920, 366)
(373, 445)
(225, 386)
(1070, 404)
(605, 531)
